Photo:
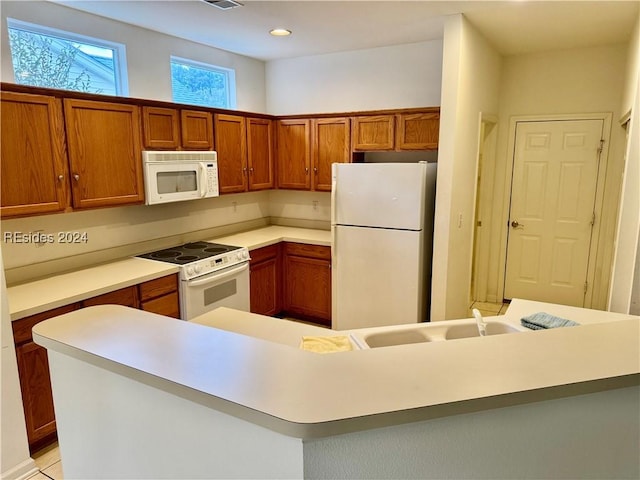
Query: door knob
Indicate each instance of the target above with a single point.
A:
(515, 224)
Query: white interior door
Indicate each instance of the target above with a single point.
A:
(553, 191)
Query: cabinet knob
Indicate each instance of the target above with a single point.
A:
(76, 176)
(306, 170)
(61, 177)
(251, 171)
(244, 170)
(315, 170)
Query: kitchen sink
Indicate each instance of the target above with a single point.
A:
(471, 330)
(434, 332)
(396, 337)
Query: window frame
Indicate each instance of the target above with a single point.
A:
(119, 49)
(229, 73)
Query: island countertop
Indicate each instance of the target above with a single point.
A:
(307, 395)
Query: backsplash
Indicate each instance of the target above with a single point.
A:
(79, 239)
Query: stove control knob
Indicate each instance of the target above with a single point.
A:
(189, 270)
(198, 268)
(238, 257)
(245, 254)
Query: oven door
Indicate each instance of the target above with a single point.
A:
(225, 288)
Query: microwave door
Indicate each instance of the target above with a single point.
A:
(171, 183)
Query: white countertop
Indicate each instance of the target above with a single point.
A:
(59, 290)
(305, 395)
(266, 236)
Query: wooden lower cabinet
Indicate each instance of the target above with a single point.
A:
(35, 384)
(157, 296)
(266, 280)
(307, 282)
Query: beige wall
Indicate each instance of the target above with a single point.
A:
(378, 78)
(147, 52)
(470, 86)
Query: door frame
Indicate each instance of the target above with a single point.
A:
(483, 201)
(606, 117)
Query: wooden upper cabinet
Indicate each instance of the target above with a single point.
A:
(231, 145)
(197, 130)
(34, 169)
(331, 144)
(294, 154)
(417, 131)
(260, 153)
(104, 153)
(373, 132)
(160, 128)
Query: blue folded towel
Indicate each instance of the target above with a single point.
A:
(542, 321)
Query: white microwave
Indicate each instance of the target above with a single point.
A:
(177, 176)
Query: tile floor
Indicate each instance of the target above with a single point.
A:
(488, 309)
(48, 462)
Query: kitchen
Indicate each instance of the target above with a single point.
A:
(418, 84)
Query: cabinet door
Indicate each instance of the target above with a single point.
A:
(231, 145)
(418, 131)
(374, 132)
(266, 281)
(104, 153)
(168, 305)
(197, 130)
(35, 384)
(330, 145)
(294, 154)
(37, 398)
(307, 288)
(260, 153)
(160, 128)
(34, 171)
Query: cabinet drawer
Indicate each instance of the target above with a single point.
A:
(265, 253)
(158, 287)
(305, 250)
(165, 305)
(22, 328)
(125, 296)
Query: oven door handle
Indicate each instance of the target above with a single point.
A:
(215, 277)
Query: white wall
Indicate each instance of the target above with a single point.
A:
(470, 85)
(585, 80)
(378, 78)
(147, 52)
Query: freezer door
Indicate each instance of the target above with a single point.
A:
(387, 195)
(377, 277)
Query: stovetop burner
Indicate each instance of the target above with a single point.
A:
(189, 252)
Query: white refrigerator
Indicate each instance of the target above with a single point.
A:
(382, 233)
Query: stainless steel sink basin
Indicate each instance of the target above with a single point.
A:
(395, 337)
(471, 330)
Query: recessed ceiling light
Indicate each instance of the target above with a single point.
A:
(280, 32)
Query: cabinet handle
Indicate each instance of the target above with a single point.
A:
(251, 171)
(315, 170)
(61, 177)
(306, 170)
(244, 170)
(76, 176)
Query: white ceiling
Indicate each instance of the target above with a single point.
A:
(319, 27)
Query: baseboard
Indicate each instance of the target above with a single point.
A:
(21, 471)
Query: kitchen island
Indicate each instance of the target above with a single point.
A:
(140, 395)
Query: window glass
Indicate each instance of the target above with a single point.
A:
(50, 58)
(196, 83)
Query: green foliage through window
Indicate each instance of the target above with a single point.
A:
(54, 62)
(196, 85)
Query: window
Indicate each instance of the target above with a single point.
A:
(45, 57)
(197, 83)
